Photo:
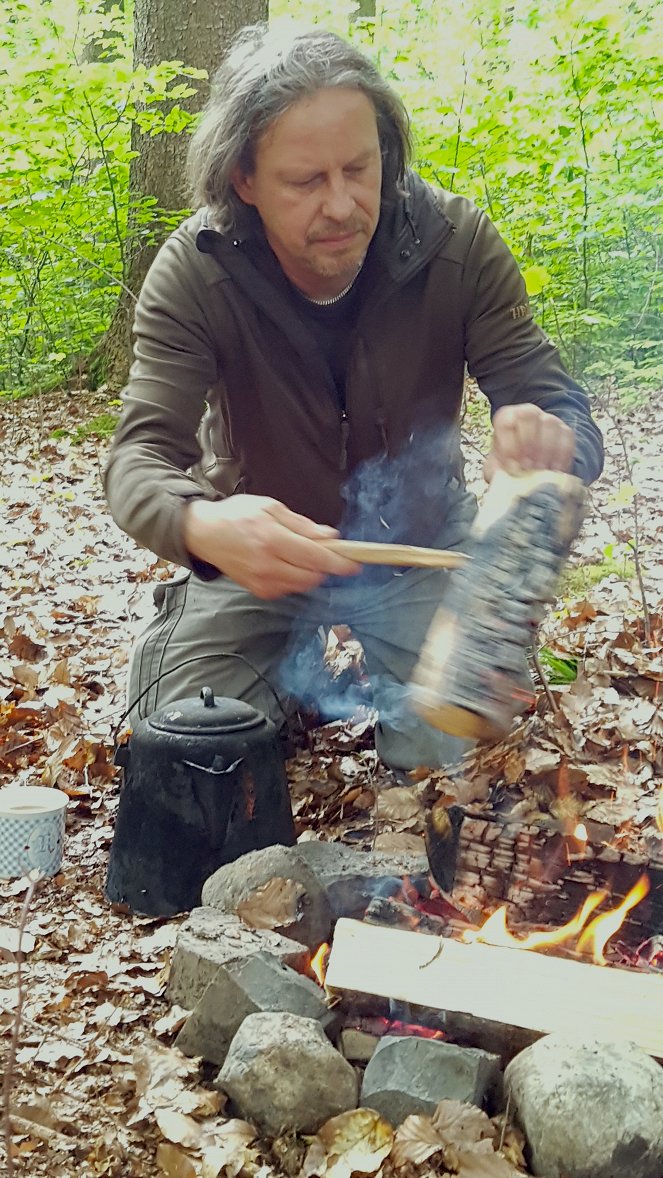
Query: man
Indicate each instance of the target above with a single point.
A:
(319, 311)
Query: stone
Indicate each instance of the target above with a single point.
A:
(248, 986)
(235, 882)
(409, 1074)
(283, 1074)
(589, 1108)
(209, 939)
(357, 1046)
(353, 878)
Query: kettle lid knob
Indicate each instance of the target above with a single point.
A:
(207, 696)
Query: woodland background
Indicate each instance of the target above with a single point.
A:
(546, 113)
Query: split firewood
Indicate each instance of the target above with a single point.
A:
(520, 989)
(369, 552)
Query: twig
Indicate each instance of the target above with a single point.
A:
(505, 1122)
(8, 1078)
(634, 545)
(42, 1132)
(554, 706)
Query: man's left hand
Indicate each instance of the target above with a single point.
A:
(525, 438)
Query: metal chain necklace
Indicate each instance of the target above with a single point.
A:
(334, 298)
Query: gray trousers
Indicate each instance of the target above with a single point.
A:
(217, 634)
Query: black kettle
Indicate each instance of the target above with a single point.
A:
(204, 782)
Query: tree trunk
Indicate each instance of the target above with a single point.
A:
(166, 30)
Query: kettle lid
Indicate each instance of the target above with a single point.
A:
(206, 715)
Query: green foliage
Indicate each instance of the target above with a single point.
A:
(547, 113)
(556, 669)
(66, 133)
(579, 579)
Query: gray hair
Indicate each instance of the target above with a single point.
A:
(263, 74)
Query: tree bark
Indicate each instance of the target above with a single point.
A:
(166, 30)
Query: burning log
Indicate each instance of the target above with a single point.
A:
(542, 873)
(519, 989)
(391, 914)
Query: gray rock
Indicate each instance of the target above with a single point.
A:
(282, 1073)
(248, 986)
(208, 939)
(235, 882)
(589, 1109)
(353, 878)
(412, 1075)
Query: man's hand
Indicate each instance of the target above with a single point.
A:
(526, 438)
(262, 545)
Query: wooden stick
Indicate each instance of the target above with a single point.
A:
(369, 552)
(511, 986)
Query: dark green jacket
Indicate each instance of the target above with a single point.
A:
(442, 292)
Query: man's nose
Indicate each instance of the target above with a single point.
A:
(339, 203)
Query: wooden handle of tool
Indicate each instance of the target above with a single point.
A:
(368, 552)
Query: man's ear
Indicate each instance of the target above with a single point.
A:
(243, 186)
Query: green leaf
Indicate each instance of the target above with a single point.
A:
(536, 279)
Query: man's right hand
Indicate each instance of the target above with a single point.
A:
(262, 545)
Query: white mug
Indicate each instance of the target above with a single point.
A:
(31, 830)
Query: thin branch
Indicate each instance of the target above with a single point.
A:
(554, 706)
(634, 544)
(8, 1078)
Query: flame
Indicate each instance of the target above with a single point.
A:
(602, 928)
(580, 833)
(319, 963)
(593, 939)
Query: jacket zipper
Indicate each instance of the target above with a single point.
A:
(345, 433)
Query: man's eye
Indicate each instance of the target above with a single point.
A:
(304, 183)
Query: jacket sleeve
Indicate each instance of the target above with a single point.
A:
(509, 355)
(155, 442)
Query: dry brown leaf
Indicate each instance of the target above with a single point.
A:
(541, 759)
(174, 1163)
(461, 1124)
(13, 942)
(415, 1141)
(230, 1151)
(483, 1162)
(356, 1142)
(178, 1128)
(399, 803)
(273, 905)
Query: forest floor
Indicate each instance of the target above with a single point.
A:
(95, 1087)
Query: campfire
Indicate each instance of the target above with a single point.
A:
(402, 968)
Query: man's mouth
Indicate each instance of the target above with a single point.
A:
(337, 239)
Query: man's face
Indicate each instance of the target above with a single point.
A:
(316, 185)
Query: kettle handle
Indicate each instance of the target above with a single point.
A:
(211, 771)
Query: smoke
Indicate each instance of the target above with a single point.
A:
(409, 497)
(403, 498)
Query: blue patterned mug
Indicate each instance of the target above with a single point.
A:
(32, 821)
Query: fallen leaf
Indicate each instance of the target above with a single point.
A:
(415, 1141)
(461, 1124)
(178, 1128)
(273, 905)
(230, 1151)
(355, 1142)
(399, 803)
(174, 1163)
(483, 1162)
(13, 942)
